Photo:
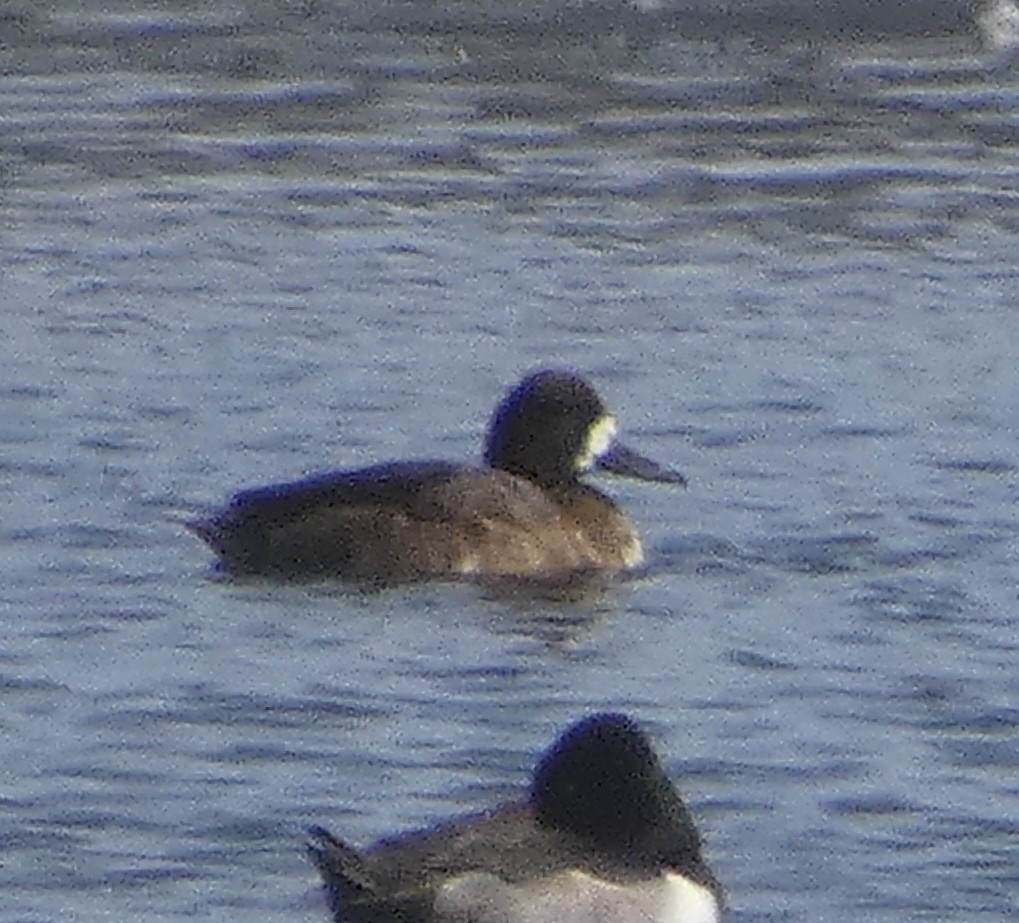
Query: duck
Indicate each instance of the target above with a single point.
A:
(525, 510)
(602, 836)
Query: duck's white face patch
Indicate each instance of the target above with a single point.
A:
(575, 897)
(634, 554)
(688, 902)
(599, 437)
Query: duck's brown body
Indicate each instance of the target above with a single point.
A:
(420, 521)
(524, 513)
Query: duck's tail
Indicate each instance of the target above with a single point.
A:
(347, 880)
(208, 530)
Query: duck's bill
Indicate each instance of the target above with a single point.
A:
(627, 463)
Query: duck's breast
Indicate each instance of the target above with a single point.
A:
(610, 540)
(574, 896)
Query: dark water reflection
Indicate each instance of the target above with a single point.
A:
(243, 244)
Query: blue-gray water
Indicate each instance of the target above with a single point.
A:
(239, 246)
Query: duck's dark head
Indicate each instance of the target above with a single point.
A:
(602, 782)
(553, 426)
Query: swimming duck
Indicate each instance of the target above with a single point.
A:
(525, 511)
(603, 837)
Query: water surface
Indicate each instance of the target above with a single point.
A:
(239, 247)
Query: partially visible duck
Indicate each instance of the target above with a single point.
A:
(602, 837)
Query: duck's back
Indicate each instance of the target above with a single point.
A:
(394, 523)
(447, 873)
(500, 867)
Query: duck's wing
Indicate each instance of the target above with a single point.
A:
(505, 842)
(279, 505)
(497, 867)
(390, 523)
(450, 873)
(343, 523)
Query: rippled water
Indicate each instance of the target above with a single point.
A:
(242, 246)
